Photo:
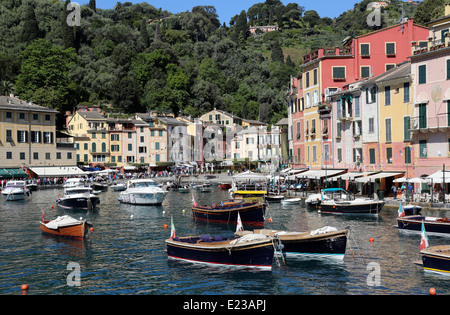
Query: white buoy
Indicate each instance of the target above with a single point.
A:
(131, 216)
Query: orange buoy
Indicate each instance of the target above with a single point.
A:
(371, 240)
(24, 287)
(166, 226)
(270, 220)
(51, 206)
(91, 229)
(432, 291)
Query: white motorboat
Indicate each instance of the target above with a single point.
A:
(143, 192)
(15, 190)
(315, 199)
(119, 187)
(78, 197)
(74, 182)
(291, 201)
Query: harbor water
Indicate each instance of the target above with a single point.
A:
(125, 254)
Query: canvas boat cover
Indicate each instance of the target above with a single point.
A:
(62, 221)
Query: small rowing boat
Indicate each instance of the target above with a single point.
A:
(66, 226)
(291, 201)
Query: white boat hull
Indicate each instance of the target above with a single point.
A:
(16, 194)
(143, 198)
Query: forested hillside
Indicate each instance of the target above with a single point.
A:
(136, 57)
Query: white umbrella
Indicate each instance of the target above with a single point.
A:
(417, 180)
(400, 180)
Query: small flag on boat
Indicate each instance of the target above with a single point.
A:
(43, 216)
(401, 213)
(423, 238)
(239, 226)
(172, 228)
(194, 203)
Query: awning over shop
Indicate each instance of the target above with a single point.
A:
(249, 176)
(372, 178)
(12, 173)
(438, 177)
(320, 173)
(58, 171)
(352, 175)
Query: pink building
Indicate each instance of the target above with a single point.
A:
(430, 126)
(328, 70)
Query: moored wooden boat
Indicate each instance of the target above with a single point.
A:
(436, 259)
(432, 224)
(325, 242)
(227, 211)
(65, 226)
(247, 251)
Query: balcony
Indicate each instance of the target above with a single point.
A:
(324, 108)
(438, 123)
(327, 52)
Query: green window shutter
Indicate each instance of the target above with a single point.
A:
(422, 74)
(407, 128)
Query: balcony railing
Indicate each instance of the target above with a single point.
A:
(437, 123)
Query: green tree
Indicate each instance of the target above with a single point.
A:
(277, 53)
(45, 66)
(30, 30)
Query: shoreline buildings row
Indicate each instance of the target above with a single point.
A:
(381, 103)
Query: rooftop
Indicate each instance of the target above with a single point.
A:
(13, 103)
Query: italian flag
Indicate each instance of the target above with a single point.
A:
(423, 238)
(401, 213)
(172, 228)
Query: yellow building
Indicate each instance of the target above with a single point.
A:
(91, 131)
(312, 99)
(28, 136)
(396, 110)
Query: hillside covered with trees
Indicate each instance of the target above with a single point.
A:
(135, 57)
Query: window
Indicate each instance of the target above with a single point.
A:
(338, 129)
(86, 146)
(315, 97)
(9, 155)
(130, 147)
(115, 137)
(357, 113)
(313, 126)
(314, 148)
(115, 148)
(423, 115)
(130, 135)
(103, 147)
(85, 158)
(22, 155)
(307, 80)
(448, 69)
(308, 100)
(388, 130)
(407, 128)
(36, 156)
(69, 155)
(157, 157)
(423, 148)
(9, 135)
(372, 156)
(36, 136)
(365, 50)
(389, 155)
(35, 116)
(422, 74)
(47, 117)
(339, 155)
(371, 125)
(389, 66)
(371, 95)
(152, 133)
(58, 155)
(390, 49)
(94, 135)
(315, 81)
(9, 115)
(387, 95)
(142, 138)
(338, 73)
(326, 149)
(142, 149)
(365, 71)
(22, 136)
(408, 155)
(94, 147)
(406, 92)
(160, 133)
(22, 116)
(157, 145)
